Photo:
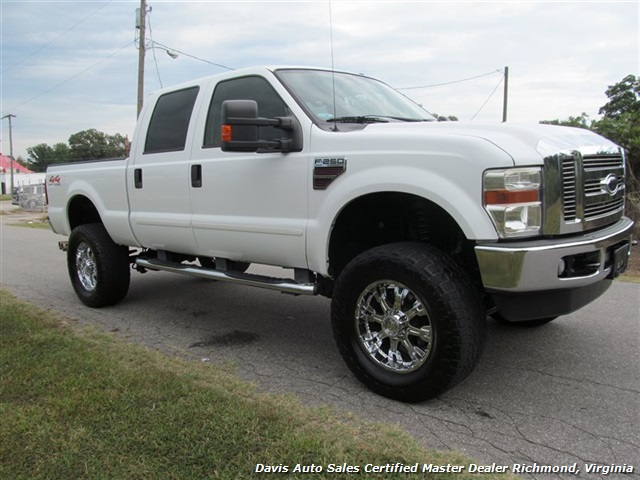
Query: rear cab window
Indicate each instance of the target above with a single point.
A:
(169, 122)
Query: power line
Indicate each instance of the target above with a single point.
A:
(56, 38)
(72, 77)
(452, 82)
(191, 56)
(487, 100)
(153, 50)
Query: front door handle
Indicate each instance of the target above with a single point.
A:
(196, 176)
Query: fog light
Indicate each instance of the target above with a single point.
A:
(562, 266)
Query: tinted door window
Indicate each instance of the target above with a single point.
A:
(248, 88)
(170, 121)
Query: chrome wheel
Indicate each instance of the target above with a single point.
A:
(407, 321)
(393, 326)
(86, 267)
(98, 267)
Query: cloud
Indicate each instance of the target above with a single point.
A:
(562, 55)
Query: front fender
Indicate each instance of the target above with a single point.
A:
(461, 199)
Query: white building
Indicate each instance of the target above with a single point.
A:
(22, 176)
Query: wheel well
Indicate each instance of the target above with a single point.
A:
(381, 218)
(81, 210)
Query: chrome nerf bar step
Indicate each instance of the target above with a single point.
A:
(285, 285)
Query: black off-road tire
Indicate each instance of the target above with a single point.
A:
(423, 279)
(98, 267)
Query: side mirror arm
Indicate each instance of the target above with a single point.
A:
(244, 114)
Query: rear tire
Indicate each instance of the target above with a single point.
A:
(407, 322)
(98, 267)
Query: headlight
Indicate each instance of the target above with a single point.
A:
(512, 197)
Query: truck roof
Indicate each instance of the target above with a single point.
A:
(254, 70)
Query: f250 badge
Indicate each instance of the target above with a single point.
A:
(54, 180)
(326, 170)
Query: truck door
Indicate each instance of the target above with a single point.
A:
(158, 178)
(249, 206)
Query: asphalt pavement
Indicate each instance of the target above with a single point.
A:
(565, 393)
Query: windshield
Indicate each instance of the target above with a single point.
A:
(358, 99)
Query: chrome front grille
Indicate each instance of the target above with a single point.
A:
(603, 185)
(591, 191)
(569, 189)
(599, 209)
(593, 162)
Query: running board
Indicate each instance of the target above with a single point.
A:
(285, 285)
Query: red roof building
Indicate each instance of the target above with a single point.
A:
(5, 166)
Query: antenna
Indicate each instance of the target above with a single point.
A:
(333, 70)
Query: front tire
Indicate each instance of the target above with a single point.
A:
(407, 322)
(98, 267)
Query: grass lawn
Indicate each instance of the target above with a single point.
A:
(41, 224)
(78, 404)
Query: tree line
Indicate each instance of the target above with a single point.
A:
(85, 145)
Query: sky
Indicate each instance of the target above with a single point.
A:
(68, 66)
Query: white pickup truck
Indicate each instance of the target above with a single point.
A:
(416, 229)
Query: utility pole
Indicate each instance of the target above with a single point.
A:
(506, 93)
(10, 116)
(141, 25)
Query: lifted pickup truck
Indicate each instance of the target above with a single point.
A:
(416, 229)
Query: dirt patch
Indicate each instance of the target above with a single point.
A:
(15, 214)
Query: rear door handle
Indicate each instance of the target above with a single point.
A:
(196, 176)
(137, 178)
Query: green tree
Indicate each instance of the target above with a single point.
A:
(92, 144)
(623, 98)
(621, 124)
(445, 118)
(621, 120)
(581, 121)
(20, 159)
(41, 155)
(85, 145)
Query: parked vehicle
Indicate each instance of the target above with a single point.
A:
(416, 229)
(30, 197)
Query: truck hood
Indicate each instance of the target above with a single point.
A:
(525, 144)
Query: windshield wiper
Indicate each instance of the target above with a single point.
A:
(402, 119)
(361, 119)
(374, 119)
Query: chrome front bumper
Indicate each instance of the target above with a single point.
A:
(537, 265)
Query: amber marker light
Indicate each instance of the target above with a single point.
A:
(505, 197)
(227, 133)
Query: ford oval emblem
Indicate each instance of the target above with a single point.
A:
(610, 184)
